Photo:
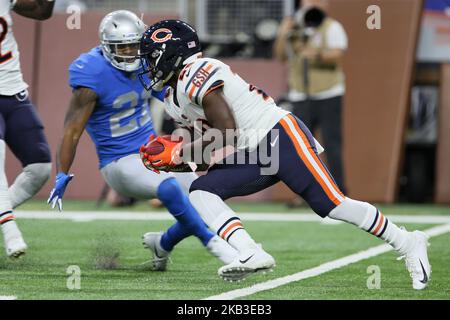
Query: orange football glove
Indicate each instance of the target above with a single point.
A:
(143, 154)
(165, 160)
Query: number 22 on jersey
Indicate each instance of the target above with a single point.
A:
(131, 98)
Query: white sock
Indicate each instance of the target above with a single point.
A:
(6, 215)
(6, 218)
(29, 182)
(221, 249)
(10, 228)
(220, 218)
(370, 219)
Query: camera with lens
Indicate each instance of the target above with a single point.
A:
(307, 20)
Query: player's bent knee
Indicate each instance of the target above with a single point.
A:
(322, 208)
(173, 197)
(39, 154)
(39, 172)
(200, 185)
(169, 190)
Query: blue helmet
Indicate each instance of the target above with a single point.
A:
(164, 48)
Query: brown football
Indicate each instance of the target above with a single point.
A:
(153, 148)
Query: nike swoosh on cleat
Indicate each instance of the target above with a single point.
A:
(425, 276)
(244, 261)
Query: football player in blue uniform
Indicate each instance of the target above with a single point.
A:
(110, 102)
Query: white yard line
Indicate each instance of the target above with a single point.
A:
(8, 297)
(273, 216)
(323, 268)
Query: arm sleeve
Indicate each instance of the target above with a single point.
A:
(203, 79)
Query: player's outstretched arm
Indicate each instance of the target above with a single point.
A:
(81, 107)
(34, 9)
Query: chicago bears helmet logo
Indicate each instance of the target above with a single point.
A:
(161, 35)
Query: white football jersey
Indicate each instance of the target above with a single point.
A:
(11, 79)
(255, 113)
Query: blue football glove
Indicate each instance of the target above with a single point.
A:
(56, 195)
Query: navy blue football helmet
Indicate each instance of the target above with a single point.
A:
(163, 49)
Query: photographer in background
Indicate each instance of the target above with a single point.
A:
(313, 46)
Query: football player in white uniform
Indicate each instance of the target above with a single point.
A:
(208, 91)
(20, 126)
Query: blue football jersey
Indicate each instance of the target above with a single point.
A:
(121, 121)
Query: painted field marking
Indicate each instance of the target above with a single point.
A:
(321, 269)
(8, 297)
(86, 216)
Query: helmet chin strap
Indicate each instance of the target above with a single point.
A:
(169, 76)
(158, 85)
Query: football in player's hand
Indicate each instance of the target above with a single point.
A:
(153, 148)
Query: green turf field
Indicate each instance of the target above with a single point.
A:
(112, 260)
(88, 205)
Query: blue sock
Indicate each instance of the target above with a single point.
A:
(174, 235)
(178, 204)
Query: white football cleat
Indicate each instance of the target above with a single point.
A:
(151, 241)
(220, 249)
(416, 260)
(14, 244)
(247, 263)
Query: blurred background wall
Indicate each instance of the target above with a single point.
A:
(384, 162)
